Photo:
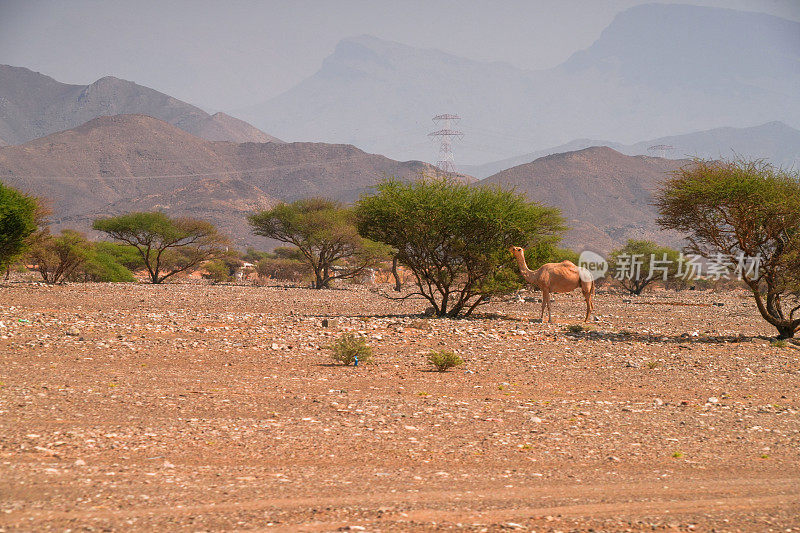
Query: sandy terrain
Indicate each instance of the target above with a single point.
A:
(193, 407)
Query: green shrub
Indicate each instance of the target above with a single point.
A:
(217, 271)
(284, 269)
(443, 360)
(18, 221)
(351, 348)
(103, 267)
(575, 328)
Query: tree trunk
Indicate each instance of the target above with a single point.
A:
(320, 281)
(786, 330)
(398, 285)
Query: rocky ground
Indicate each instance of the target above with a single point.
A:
(195, 407)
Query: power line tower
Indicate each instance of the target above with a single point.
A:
(661, 150)
(446, 136)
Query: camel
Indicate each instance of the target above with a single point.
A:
(551, 278)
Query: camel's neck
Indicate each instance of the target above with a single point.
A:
(523, 265)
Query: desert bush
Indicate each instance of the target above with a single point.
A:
(102, 266)
(57, 257)
(575, 328)
(217, 271)
(251, 255)
(351, 348)
(444, 360)
(737, 210)
(284, 269)
(640, 263)
(455, 237)
(18, 221)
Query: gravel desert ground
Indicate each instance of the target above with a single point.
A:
(194, 407)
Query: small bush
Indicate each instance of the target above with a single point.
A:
(283, 269)
(575, 328)
(350, 348)
(779, 344)
(444, 360)
(217, 271)
(653, 364)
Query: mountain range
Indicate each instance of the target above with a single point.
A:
(33, 105)
(116, 164)
(775, 142)
(655, 70)
(606, 197)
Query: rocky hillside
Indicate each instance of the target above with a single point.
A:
(121, 163)
(775, 142)
(605, 196)
(33, 105)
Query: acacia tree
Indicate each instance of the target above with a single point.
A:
(737, 210)
(166, 245)
(19, 215)
(640, 263)
(325, 235)
(455, 237)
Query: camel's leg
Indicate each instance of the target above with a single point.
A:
(545, 297)
(587, 295)
(549, 309)
(588, 298)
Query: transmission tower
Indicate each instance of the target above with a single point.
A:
(446, 136)
(661, 150)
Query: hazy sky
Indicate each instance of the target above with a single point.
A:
(226, 55)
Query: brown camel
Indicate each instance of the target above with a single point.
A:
(551, 278)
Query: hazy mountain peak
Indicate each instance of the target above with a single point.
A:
(655, 71)
(674, 44)
(33, 105)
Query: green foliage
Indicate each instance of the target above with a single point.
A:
(125, 255)
(166, 245)
(547, 252)
(444, 360)
(324, 235)
(743, 209)
(455, 237)
(284, 269)
(252, 255)
(57, 257)
(640, 263)
(575, 328)
(351, 347)
(288, 252)
(222, 269)
(102, 266)
(18, 221)
(217, 271)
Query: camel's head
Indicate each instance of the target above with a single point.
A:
(515, 250)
